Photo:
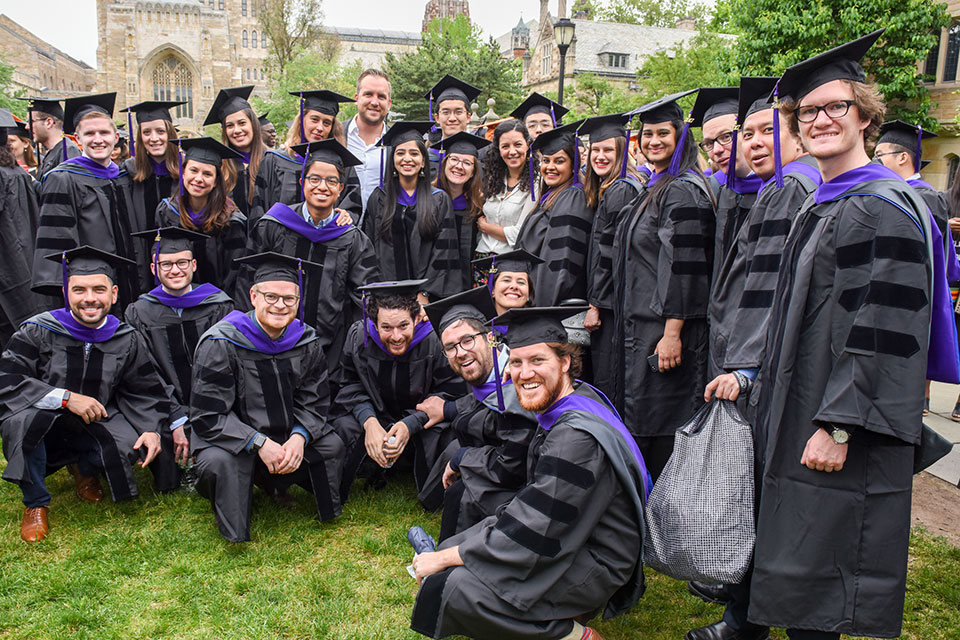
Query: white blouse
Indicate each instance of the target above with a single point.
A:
(508, 210)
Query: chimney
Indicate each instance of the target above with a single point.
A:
(687, 24)
(561, 8)
(544, 11)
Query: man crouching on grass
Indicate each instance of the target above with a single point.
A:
(568, 545)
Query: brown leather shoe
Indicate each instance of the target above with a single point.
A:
(88, 488)
(34, 527)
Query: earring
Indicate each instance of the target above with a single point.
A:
(395, 173)
(422, 171)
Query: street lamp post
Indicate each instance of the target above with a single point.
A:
(563, 34)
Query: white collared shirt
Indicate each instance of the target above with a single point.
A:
(369, 171)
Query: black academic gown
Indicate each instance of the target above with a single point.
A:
(53, 158)
(561, 237)
(19, 217)
(732, 210)
(373, 383)
(847, 344)
(467, 237)
(567, 546)
(43, 356)
(214, 255)
(239, 194)
(745, 287)
(409, 256)
(78, 208)
(662, 257)
(331, 301)
(492, 448)
(239, 391)
(278, 180)
(142, 198)
(611, 206)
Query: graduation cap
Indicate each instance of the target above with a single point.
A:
(228, 101)
(754, 96)
(324, 101)
(87, 261)
(329, 151)
(839, 63)
(463, 142)
(263, 119)
(516, 261)
(49, 106)
(148, 112)
(205, 150)
(402, 288)
(554, 141)
(169, 240)
(666, 109)
(610, 126)
(924, 164)
(451, 88)
(271, 266)
(18, 129)
(472, 303)
(534, 325)
(536, 103)
(713, 102)
(8, 126)
(404, 131)
(76, 108)
(906, 135)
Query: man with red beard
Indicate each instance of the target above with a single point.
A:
(568, 545)
(391, 362)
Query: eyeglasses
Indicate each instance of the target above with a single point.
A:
(274, 298)
(834, 110)
(877, 156)
(466, 343)
(182, 265)
(466, 164)
(332, 181)
(723, 140)
(446, 113)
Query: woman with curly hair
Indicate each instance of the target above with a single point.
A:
(508, 190)
(202, 205)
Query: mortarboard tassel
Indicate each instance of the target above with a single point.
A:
(65, 141)
(626, 152)
(490, 278)
(674, 167)
(303, 173)
(156, 260)
(553, 118)
(366, 328)
(916, 156)
(180, 168)
(576, 163)
(732, 164)
(300, 286)
(777, 162)
(433, 128)
(133, 151)
(303, 135)
(533, 196)
(496, 370)
(63, 269)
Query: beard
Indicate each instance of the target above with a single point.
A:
(548, 395)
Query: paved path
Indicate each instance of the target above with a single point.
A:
(943, 397)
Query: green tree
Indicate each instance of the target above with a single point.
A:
(8, 92)
(292, 27)
(589, 7)
(656, 13)
(777, 33)
(592, 95)
(706, 60)
(310, 70)
(455, 47)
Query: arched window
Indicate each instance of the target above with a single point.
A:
(173, 82)
(953, 54)
(953, 163)
(243, 7)
(263, 40)
(253, 39)
(930, 65)
(244, 37)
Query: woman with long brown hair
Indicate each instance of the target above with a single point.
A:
(459, 177)
(202, 204)
(281, 172)
(150, 174)
(240, 131)
(408, 220)
(611, 183)
(20, 144)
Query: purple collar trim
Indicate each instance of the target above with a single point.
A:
(421, 331)
(188, 300)
(708, 172)
(546, 194)
(261, 342)
(459, 203)
(577, 402)
(918, 182)
(197, 218)
(720, 177)
(295, 222)
(750, 184)
(245, 156)
(404, 198)
(159, 168)
(645, 170)
(796, 166)
(108, 172)
(833, 189)
(82, 332)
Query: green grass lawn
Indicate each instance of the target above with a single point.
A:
(157, 568)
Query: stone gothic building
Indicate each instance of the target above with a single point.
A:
(444, 9)
(182, 50)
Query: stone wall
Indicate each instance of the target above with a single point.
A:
(39, 67)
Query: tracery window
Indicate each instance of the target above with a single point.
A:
(172, 81)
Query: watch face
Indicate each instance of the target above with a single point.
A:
(840, 436)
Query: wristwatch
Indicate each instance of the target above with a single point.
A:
(840, 435)
(258, 441)
(65, 399)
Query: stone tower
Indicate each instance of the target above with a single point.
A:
(444, 9)
(520, 39)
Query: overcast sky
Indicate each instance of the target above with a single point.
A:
(71, 25)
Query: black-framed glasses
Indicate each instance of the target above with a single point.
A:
(834, 110)
(166, 266)
(877, 156)
(466, 343)
(723, 140)
(332, 181)
(274, 298)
